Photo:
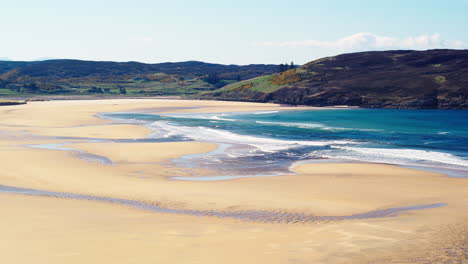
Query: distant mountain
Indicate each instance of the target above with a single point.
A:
(436, 79)
(88, 77)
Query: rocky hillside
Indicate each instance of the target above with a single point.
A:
(435, 79)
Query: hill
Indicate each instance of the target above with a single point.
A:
(435, 79)
(99, 77)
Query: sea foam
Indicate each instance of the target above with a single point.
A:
(165, 129)
(396, 156)
(313, 126)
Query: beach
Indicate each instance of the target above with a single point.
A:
(54, 229)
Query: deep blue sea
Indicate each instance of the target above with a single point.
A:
(268, 143)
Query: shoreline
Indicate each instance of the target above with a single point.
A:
(42, 226)
(181, 112)
(45, 98)
(197, 110)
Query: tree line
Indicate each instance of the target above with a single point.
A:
(286, 67)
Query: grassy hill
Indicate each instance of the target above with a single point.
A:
(75, 77)
(389, 79)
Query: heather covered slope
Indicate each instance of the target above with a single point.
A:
(388, 79)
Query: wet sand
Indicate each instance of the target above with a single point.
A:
(245, 215)
(45, 229)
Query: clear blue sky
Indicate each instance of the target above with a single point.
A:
(230, 32)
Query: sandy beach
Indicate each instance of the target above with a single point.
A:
(46, 229)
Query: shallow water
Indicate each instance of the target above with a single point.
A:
(247, 215)
(81, 154)
(269, 142)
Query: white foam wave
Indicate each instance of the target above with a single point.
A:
(165, 129)
(395, 156)
(312, 126)
(265, 112)
(210, 116)
(300, 125)
(220, 117)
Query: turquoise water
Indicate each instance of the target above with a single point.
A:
(268, 143)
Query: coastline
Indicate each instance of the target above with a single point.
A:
(140, 172)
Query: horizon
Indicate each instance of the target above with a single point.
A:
(241, 33)
(5, 59)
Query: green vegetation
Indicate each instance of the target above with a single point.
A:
(264, 85)
(286, 77)
(73, 77)
(244, 87)
(440, 79)
(260, 84)
(256, 80)
(388, 79)
(7, 92)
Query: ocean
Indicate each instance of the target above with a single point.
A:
(268, 143)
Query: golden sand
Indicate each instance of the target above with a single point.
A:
(51, 230)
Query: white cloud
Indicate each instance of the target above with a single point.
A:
(370, 41)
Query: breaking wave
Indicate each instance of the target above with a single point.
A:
(312, 126)
(165, 129)
(394, 156)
